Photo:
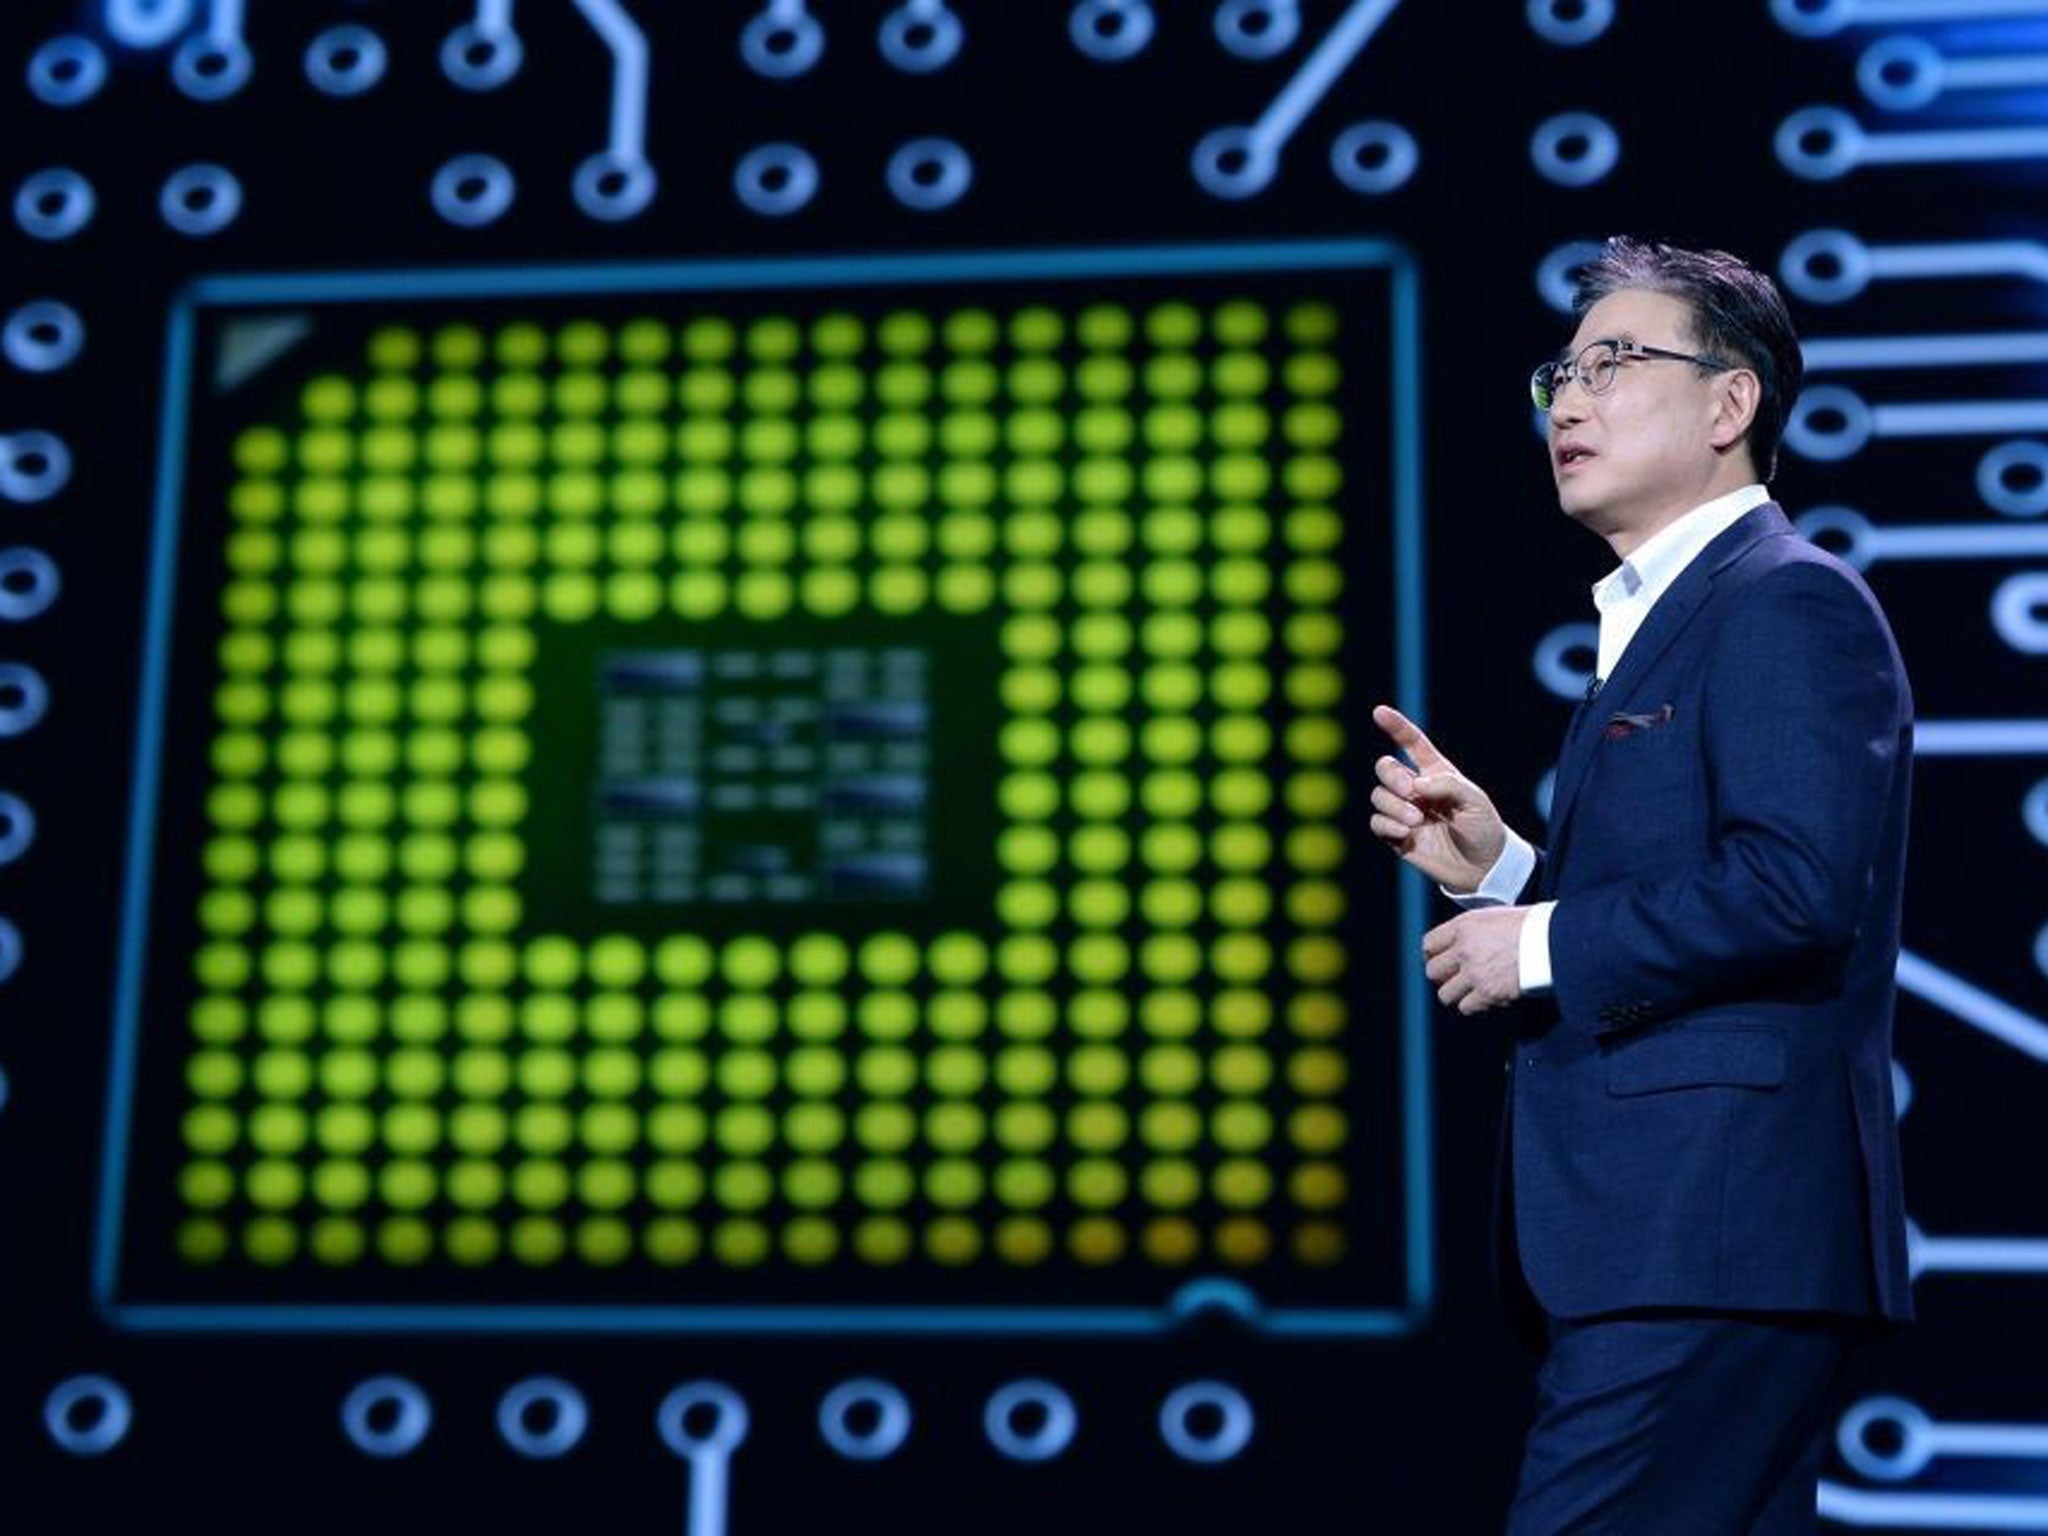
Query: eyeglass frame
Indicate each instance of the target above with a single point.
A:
(1623, 347)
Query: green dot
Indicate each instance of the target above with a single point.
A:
(1098, 903)
(1025, 1069)
(1170, 1183)
(471, 1240)
(1170, 1127)
(1097, 1182)
(1240, 685)
(1027, 1015)
(345, 1128)
(540, 1184)
(1099, 958)
(1241, 1069)
(537, 1240)
(676, 1127)
(1026, 959)
(1097, 1069)
(213, 1074)
(210, 1128)
(270, 1240)
(611, 1073)
(885, 1070)
(1099, 740)
(744, 1130)
(1099, 796)
(1025, 1127)
(811, 1183)
(746, 1074)
(957, 1127)
(207, 1185)
(477, 1128)
(1028, 796)
(673, 1185)
(1171, 739)
(1239, 903)
(340, 1186)
(953, 1182)
(605, 1185)
(883, 1183)
(1023, 1183)
(682, 961)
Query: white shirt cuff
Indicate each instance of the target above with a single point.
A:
(1532, 958)
(1504, 882)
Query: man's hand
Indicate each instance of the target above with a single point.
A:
(1433, 816)
(1475, 958)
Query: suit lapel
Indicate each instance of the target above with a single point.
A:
(1667, 619)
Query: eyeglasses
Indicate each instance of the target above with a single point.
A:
(1594, 367)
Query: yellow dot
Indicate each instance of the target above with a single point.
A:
(1317, 1071)
(1315, 959)
(1096, 1240)
(1317, 1186)
(1317, 1128)
(1023, 1240)
(1242, 1241)
(1170, 1182)
(1241, 1182)
(1240, 1069)
(1315, 903)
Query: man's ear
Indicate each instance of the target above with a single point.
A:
(1735, 406)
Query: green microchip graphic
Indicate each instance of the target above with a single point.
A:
(709, 792)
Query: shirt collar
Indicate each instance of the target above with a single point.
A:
(1659, 559)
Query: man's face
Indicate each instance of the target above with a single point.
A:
(1625, 459)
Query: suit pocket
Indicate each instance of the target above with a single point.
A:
(1698, 1056)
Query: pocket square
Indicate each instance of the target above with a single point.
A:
(1621, 723)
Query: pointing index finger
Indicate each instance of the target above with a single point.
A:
(1409, 737)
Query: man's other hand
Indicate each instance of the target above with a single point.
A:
(1475, 959)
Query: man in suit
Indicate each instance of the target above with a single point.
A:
(1699, 1205)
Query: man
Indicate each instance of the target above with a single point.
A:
(1700, 1183)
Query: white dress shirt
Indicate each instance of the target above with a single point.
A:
(1624, 598)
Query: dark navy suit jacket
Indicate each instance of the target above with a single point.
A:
(1700, 1114)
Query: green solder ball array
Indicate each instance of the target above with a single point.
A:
(1138, 1059)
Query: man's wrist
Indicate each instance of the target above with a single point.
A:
(1502, 884)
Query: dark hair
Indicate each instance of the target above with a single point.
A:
(1737, 314)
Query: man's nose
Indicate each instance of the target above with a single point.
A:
(1568, 403)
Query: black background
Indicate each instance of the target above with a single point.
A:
(1410, 1434)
